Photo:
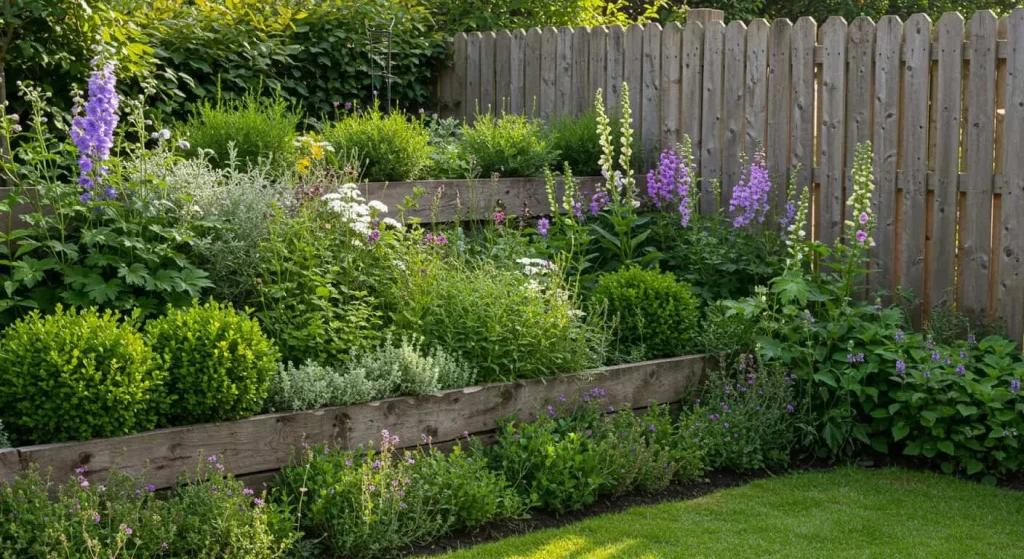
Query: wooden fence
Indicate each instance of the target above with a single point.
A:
(943, 104)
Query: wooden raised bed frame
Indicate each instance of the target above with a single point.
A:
(260, 445)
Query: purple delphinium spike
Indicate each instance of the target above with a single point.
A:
(93, 132)
(750, 196)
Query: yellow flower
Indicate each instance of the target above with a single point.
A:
(316, 150)
(302, 165)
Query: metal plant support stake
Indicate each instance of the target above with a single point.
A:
(379, 48)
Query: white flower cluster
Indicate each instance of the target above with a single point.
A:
(356, 212)
(535, 266)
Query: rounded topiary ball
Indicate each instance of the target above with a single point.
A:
(76, 375)
(655, 311)
(219, 362)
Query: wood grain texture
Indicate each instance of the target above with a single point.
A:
(693, 84)
(831, 152)
(713, 113)
(885, 143)
(473, 42)
(914, 156)
(532, 71)
(582, 96)
(650, 95)
(755, 95)
(860, 77)
(265, 443)
(563, 73)
(734, 84)
(517, 101)
(980, 141)
(598, 69)
(633, 72)
(777, 134)
(948, 111)
(459, 91)
(503, 72)
(548, 72)
(671, 87)
(615, 69)
(801, 127)
(1011, 250)
(488, 59)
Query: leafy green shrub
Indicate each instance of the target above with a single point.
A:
(446, 159)
(553, 468)
(578, 143)
(211, 515)
(5, 441)
(374, 503)
(503, 323)
(744, 418)
(510, 146)
(391, 146)
(633, 457)
(655, 311)
(389, 370)
(218, 360)
(245, 131)
(78, 375)
(724, 334)
(308, 386)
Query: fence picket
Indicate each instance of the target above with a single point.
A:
(777, 135)
(517, 100)
(598, 73)
(563, 73)
(473, 75)
(548, 72)
(801, 137)
(885, 144)
(532, 71)
(755, 95)
(711, 123)
(459, 91)
(650, 124)
(633, 72)
(942, 252)
(693, 84)
(502, 71)
(831, 152)
(488, 101)
(734, 87)
(1011, 263)
(616, 67)
(913, 171)
(671, 83)
(581, 96)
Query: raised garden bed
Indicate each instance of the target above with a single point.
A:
(264, 443)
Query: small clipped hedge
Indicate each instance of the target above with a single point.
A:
(218, 360)
(391, 147)
(78, 375)
(655, 311)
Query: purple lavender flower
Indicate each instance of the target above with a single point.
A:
(543, 224)
(963, 354)
(598, 202)
(577, 209)
(1015, 386)
(715, 417)
(374, 237)
(790, 408)
(899, 336)
(936, 356)
(247, 492)
(551, 411)
(785, 220)
(93, 132)
(960, 371)
(927, 374)
(348, 105)
(901, 367)
(652, 428)
(750, 197)
(258, 502)
(971, 339)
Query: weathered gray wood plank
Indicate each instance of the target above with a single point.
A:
(650, 95)
(713, 113)
(671, 84)
(755, 95)
(532, 71)
(563, 77)
(459, 90)
(502, 71)
(488, 95)
(598, 74)
(801, 137)
(1011, 253)
(948, 111)
(634, 72)
(582, 97)
(517, 100)
(734, 84)
(779, 87)
(885, 143)
(831, 152)
(473, 42)
(548, 72)
(615, 68)
(693, 84)
(914, 156)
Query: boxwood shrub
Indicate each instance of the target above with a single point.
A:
(218, 360)
(77, 375)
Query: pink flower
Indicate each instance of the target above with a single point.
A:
(861, 237)
(863, 217)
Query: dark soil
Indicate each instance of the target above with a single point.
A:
(541, 520)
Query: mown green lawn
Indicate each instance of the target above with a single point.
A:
(846, 513)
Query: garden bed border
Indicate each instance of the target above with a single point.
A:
(262, 444)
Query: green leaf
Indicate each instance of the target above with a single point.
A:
(947, 447)
(136, 274)
(880, 444)
(826, 377)
(893, 408)
(102, 292)
(913, 449)
(974, 466)
(966, 410)
(899, 431)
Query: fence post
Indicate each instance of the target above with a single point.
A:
(704, 15)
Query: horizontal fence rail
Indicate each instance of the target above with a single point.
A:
(942, 102)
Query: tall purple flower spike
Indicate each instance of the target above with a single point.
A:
(93, 132)
(750, 198)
